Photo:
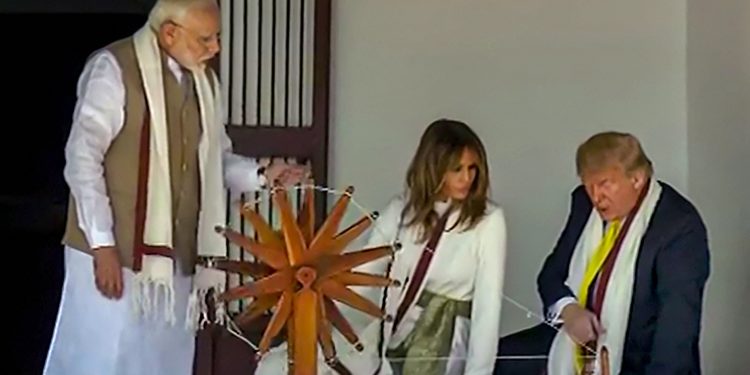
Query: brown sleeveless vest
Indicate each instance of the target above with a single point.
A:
(122, 157)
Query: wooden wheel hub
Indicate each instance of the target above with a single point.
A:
(300, 271)
(306, 276)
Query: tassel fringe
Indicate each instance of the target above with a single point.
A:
(197, 315)
(149, 294)
(208, 283)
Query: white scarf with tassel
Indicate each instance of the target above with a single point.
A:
(157, 272)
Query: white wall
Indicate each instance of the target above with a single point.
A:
(718, 87)
(533, 78)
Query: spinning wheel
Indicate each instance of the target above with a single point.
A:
(300, 274)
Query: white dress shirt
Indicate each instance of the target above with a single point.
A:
(97, 120)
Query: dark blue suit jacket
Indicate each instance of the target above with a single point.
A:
(671, 272)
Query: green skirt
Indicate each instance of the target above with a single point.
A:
(426, 349)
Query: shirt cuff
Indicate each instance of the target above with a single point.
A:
(555, 312)
(241, 175)
(100, 239)
(262, 181)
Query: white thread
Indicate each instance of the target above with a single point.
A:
(192, 315)
(315, 187)
(530, 313)
(506, 358)
(234, 330)
(204, 320)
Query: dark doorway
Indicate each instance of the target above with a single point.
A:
(42, 58)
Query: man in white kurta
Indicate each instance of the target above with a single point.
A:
(120, 312)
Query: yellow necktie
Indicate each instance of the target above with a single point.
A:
(592, 268)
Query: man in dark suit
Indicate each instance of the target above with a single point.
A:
(628, 272)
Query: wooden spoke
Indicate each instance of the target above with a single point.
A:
(266, 234)
(255, 270)
(348, 278)
(291, 333)
(324, 330)
(339, 368)
(259, 306)
(305, 324)
(342, 240)
(266, 254)
(354, 259)
(270, 284)
(306, 217)
(293, 239)
(342, 325)
(283, 310)
(329, 228)
(333, 289)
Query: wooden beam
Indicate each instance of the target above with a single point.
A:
(321, 94)
(276, 141)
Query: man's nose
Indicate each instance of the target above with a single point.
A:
(597, 195)
(213, 47)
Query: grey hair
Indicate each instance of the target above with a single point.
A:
(172, 10)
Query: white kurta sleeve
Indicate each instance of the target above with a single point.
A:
(487, 299)
(97, 119)
(240, 172)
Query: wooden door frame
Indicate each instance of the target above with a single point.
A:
(305, 143)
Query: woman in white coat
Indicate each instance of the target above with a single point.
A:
(445, 320)
(450, 263)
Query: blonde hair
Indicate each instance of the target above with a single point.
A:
(173, 10)
(607, 149)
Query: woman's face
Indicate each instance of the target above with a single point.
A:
(458, 180)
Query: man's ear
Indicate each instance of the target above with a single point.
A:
(638, 178)
(168, 31)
